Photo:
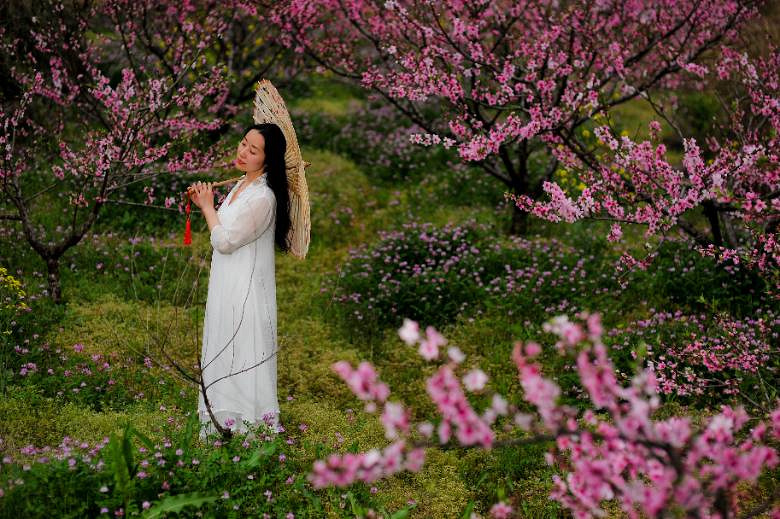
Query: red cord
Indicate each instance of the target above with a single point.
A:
(187, 229)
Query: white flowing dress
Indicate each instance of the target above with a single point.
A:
(239, 329)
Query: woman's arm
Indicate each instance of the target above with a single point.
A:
(253, 217)
(211, 217)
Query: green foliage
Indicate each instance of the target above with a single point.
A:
(101, 359)
(421, 272)
(344, 199)
(177, 503)
(322, 93)
(434, 274)
(32, 418)
(683, 278)
(11, 299)
(699, 113)
(12, 303)
(374, 136)
(233, 479)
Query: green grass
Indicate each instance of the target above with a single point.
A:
(326, 95)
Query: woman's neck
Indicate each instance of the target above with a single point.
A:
(251, 176)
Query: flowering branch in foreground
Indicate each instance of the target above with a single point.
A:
(614, 451)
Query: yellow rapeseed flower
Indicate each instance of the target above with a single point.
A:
(11, 285)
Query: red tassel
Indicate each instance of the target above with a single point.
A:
(187, 229)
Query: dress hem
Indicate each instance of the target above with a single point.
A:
(239, 425)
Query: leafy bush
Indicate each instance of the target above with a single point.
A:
(682, 277)
(243, 477)
(708, 358)
(418, 271)
(440, 273)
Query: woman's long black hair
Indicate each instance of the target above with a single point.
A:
(276, 175)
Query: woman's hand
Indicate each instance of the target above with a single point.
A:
(202, 194)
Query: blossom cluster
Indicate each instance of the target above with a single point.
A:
(701, 354)
(613, 451)
(733, 179)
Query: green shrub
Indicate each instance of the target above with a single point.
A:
(420, 272)
(434, 274)
(681, 277)
(129, 472)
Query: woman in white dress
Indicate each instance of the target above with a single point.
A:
(238, 359)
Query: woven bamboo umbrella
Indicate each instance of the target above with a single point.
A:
(270, 108)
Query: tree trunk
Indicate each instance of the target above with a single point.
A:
(55, 288)
(729, 233)
(712, 216)
(520, 186)
(519, 224)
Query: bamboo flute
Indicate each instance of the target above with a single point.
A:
(185, 194)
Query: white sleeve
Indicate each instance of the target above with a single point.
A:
(252, 219)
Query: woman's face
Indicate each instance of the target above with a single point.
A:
(250, 155)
